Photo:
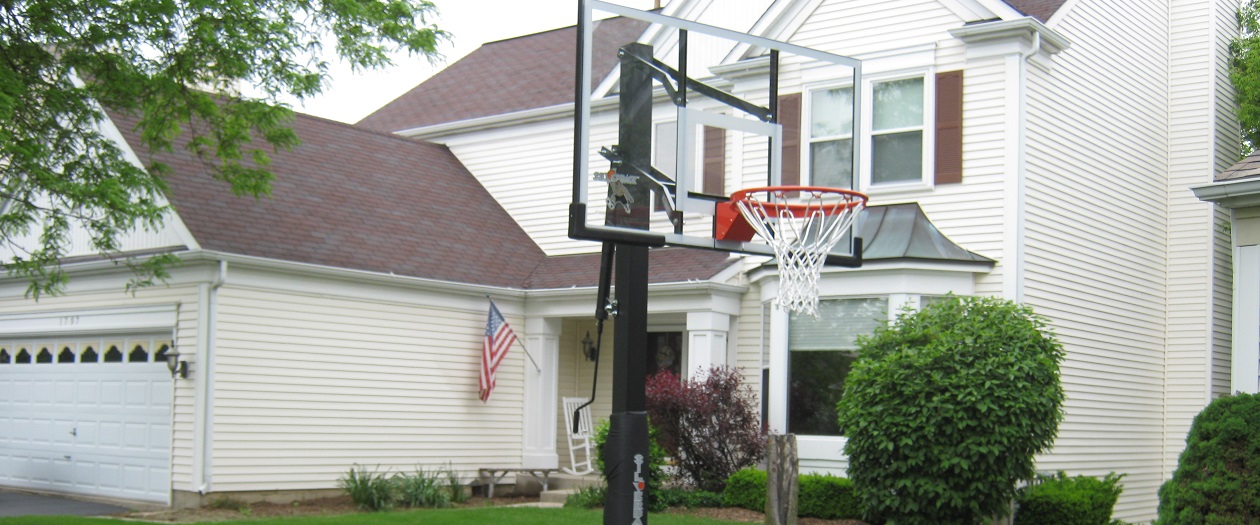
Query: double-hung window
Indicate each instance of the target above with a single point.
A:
(831, 137)
(897, 132)
(896, 128)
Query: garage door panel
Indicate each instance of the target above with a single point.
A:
(98, 428)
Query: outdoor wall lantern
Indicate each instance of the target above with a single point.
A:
(177, 367)
(588, 348)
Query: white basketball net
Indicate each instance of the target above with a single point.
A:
(801, 239)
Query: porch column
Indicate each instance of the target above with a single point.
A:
(1246, 347)
(543, 341)
(706, 342)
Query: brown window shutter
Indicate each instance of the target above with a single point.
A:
(949, 122)
(714, 161)
(790, 118)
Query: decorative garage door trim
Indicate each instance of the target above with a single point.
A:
(144, 319)
(87, 414)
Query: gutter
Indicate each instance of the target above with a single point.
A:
(1230, 194)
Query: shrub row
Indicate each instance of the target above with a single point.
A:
(819, 496)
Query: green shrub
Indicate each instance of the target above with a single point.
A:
(746, 489)
(658, 475)
(369, 490)
(1217, 480)
(1063, 500)
(691, 499)
(455, 488)
(587, 497)
(827, 497)
(422, 489)
(945, 409)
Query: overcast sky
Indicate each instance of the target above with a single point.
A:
(471, 23)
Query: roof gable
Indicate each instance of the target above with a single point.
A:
(352, 198)
(511, 75)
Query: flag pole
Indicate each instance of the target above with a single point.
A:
(527, 354)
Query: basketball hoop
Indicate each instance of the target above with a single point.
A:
(802, 223)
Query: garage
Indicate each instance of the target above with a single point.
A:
(87, 415)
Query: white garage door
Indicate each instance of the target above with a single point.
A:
(87, 416)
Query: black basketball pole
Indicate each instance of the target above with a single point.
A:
(626, 451)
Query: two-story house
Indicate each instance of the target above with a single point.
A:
(340, 321)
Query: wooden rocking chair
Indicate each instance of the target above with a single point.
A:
(579, 439)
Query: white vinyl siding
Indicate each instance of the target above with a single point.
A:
(1098, 242)
(1226, 144)
(308, 385)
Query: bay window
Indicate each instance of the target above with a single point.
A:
(820, 353)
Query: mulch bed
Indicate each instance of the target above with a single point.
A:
(227, 510)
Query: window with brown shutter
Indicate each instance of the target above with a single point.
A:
(790, 119)
(949, 116)
(714, 161)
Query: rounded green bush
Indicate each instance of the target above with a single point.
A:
(945, 410)
(1217, 480)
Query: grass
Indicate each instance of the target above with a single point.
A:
(496, 515)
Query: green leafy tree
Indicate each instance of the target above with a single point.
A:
(945, 410)
(1244, 73)
(177, 65)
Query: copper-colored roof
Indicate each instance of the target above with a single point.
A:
(1246, 168)
(903, 231)
(1040, 9)
(517, 74)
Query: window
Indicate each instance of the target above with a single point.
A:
(831, 138)
(897, 131)
(820, 354)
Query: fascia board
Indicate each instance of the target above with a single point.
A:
(1230, 194)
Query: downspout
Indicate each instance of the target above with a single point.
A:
(1016, 293)
(207, 303)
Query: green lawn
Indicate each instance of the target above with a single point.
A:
(495, 515)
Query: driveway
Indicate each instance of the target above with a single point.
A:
(26, 504)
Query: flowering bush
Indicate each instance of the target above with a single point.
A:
(711, 426)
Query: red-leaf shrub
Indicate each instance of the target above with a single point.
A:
(712, 426)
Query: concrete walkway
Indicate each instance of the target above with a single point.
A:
(26, 504)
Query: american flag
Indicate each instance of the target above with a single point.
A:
(499, 338)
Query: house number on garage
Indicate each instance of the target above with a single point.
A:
(69, 320)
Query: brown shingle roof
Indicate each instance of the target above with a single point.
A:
(351, 198)
(1040, 9)
(517, 74)
(667, 265)
(358, 199)
(1245, 169)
